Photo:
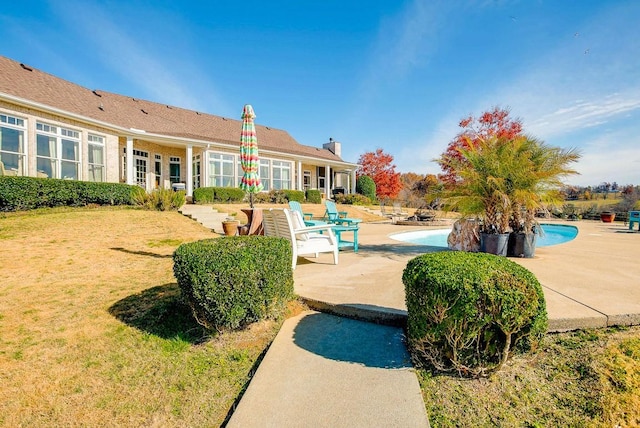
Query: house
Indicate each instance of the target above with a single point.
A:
(50, 127)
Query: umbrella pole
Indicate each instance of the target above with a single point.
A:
(251, 200)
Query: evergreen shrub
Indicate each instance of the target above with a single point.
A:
(313, 196)
(26, 193)
(208, 195)
(232, 281)
(352, 199)
(294, 195)
(203, 195)
(468, 312)
(228, 194)
(366, 186)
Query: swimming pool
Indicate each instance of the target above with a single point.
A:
(554, 234)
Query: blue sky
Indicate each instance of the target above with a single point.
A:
(396, 75)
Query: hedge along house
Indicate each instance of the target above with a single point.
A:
(50, 127)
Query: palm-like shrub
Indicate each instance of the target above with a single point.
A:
(504, 181)
(537, 179)
(484, 186)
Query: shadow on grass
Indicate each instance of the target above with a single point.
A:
(161, 312)
(143, 253)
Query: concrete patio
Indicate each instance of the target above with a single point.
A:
(591, 281)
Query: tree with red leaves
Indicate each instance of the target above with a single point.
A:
(379, 166)
(494, 123)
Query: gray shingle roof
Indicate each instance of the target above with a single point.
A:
(31, 84)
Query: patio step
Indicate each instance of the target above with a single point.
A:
(205, 215)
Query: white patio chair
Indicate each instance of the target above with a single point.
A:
(305, 240)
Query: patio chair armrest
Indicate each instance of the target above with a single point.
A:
(317, 228)
(307, 216)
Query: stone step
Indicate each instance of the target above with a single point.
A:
(205, 215)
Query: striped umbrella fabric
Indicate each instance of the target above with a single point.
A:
(249, 154)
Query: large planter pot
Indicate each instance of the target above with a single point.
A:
(494, 243)
(607, 217)
(230, 227)
(522, 245)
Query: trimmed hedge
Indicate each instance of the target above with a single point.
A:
(294, 195)
(205, 195)
(353, 199)
(26, 193)
(232, 281)
(313, 196)
(467, 312)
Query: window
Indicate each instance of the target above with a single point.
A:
(174, 169)
(57, 152)
(12, 144)
(321, 178)
(281, 175)
(95, 157)
(239, 172)
(306, 180)
(158, 169)
(221, 170)
(263, 173)
(140, 167)
(196, 171)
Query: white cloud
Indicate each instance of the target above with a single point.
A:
(148, 67)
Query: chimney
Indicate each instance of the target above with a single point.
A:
(334, 147)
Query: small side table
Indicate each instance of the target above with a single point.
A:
(342, 243)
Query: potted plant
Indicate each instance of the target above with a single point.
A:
(534, 183)
(607, 216)
(482, 191)
(230, 226)
(504, 181)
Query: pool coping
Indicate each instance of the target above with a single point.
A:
(585, 281)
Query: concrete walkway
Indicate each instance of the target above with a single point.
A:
(329, 371)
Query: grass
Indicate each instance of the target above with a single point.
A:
(578, 379)
(92, 329)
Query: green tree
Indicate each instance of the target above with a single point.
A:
(366, 186)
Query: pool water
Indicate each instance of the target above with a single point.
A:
(553, 234)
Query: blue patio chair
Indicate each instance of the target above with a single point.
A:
(338, 217)
(307, 217)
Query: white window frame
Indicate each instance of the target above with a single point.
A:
(175, 160)
(20, 125)
(306, 179)
(95, 140)
(264, 172)
(196, 171)
(157, 160)
(58, 136)
(278, 168)
(217, 176)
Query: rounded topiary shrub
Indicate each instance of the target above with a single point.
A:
(366, 186)
(467, 312)
(233, 281)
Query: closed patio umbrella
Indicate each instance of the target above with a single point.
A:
(249, 154)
